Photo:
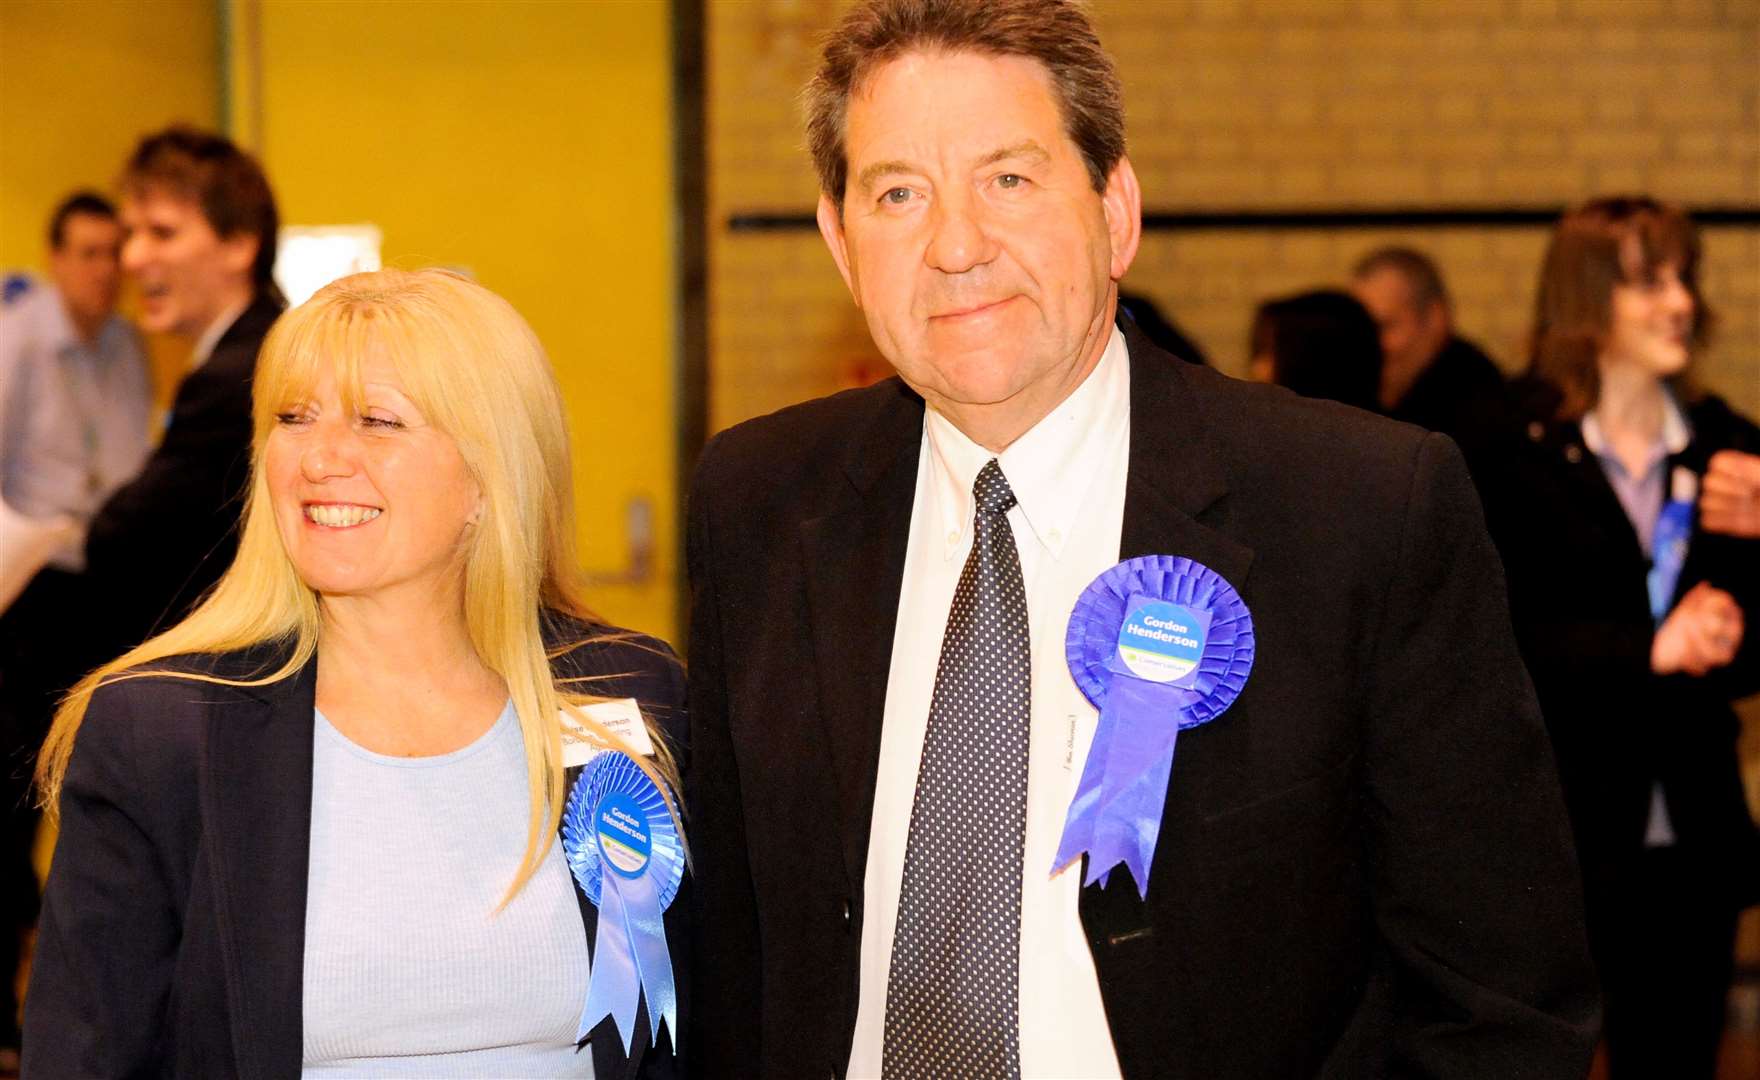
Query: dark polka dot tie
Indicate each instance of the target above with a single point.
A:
(952, 990)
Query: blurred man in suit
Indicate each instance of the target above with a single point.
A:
(200, 224)
(1430, 375)
(1363, 866)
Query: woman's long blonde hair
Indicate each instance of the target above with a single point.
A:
(476, 371)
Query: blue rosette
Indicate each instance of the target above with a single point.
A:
(1158, 644)
(625, 853)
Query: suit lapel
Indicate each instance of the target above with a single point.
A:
(1600, 502)
(1176, 503)
(252, 323)
(1175, 494)
(854, 557)
(1587, 485)
(256, 805)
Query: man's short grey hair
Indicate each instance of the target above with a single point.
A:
(1056, 33)
(1414, 267)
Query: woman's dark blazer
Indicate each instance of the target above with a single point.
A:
(172, 937)
(1581, 609)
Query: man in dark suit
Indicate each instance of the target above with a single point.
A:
(1362, 866)
(201, 227)
(199, 230)
(1430, 375)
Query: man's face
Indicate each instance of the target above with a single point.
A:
(85, 267)
(188, 274)
(1410, 336)
(972, 238)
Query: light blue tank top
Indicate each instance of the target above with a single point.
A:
(409, 969)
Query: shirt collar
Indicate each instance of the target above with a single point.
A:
(1675, 435)
(212, 335)
(64, 339)
(1048, 468)
(57, 323)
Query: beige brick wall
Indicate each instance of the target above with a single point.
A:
(1272, 104)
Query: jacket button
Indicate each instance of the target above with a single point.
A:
(1573, 454)
(1536, 430)
(846, 912)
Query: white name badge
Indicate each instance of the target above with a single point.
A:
(621, 716)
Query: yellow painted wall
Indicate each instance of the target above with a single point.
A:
(80, 82)
(528, 143)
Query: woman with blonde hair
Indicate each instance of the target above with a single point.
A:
(1631, 620)
(314, 827)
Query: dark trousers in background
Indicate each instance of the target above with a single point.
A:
(39, 661)
(18, 886)
(1666, 952)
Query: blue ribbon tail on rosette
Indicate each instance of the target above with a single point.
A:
(653, 962)
(1157, 644)
(1668, 545)
(630, 957)
(1116, 814)
(615, 984)
(626, 855)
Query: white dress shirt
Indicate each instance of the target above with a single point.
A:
(1068, 477)
(1642, 496)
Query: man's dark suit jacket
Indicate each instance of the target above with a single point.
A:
(172, 940)
(1461, 394)
(163, 539)
(1364, 867)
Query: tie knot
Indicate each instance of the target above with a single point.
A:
(991, 491)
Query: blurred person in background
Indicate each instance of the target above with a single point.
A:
(198, 230)
(1430, 376)
(74, 404)
(1632, 618)
(1321, 344)
(312, 829)
(74, 392)
(199, 223)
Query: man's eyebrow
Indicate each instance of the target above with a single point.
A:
(865, 180)
(1029, 151)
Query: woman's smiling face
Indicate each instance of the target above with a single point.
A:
(1650, 318)
(368, 496)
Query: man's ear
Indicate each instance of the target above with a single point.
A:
(1123, 203)
(238, 252)
(1436, 318)
(831, 228)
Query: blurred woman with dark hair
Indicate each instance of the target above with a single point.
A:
(1630, 617)
(1321, 344)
